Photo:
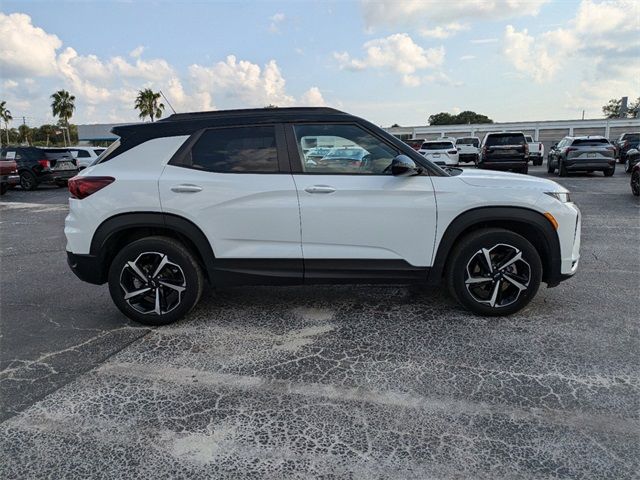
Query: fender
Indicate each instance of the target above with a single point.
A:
(178, 224)
(518, 219)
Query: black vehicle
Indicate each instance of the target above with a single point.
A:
(635, 180)
(505, 151)
(632, 158)
(626, 142)
(41, 165)
(586, 154)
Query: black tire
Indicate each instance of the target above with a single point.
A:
(550, 167)
(525, 170)
(635, 183)
(469, 253)
(61, 183)
(627, 166)
(609, 172)
(562, 170)
(3, 188)
(28, 180)
(183, 271)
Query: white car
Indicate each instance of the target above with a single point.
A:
(85, 156)
(226, 198)
(536, 150)
(468, 149)
(440, 152)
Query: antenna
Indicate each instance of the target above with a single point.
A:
(168, 102)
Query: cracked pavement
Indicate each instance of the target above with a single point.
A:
(319, 381)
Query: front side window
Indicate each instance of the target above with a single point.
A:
(349, 150)
(236, 150)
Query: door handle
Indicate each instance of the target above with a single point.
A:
(186, 188)
(320, 189)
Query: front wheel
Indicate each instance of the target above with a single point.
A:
(550, 167)
(155, 280)
(562, 170)
(609, 172)
(627, 166)
(494, 272)
(3, 188)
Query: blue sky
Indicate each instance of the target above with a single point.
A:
(388, 61)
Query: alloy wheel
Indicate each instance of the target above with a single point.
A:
(497, 276)
(152, 284)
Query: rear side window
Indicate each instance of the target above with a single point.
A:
(505, 139)
(83, 154)
(591, 142)
(236, 150)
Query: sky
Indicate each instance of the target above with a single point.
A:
(389, 61)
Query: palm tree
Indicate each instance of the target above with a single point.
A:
(5, 116)
(147, 104)
(63, 107)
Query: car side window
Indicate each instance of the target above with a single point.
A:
(334, 149)
(236, 150)
(82, 153)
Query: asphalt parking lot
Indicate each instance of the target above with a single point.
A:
(332, 382)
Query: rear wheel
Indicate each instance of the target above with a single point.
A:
(61, 183)
(550, 167)
(609, 172)
(155, 280)
(494, 272)
(627, 166)
(562, 170)
(3, 188)
(635, 183)
(28, 180)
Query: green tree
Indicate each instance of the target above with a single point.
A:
(5, 116)
(612, 108)
(444, 118)
(147, 102)
(24, 133)
(63, 106)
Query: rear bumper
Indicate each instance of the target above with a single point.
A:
(56, 176)
(468, 157)
(10, 179)
(591, 164)
(87, 268)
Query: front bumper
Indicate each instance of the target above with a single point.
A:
(88, 268)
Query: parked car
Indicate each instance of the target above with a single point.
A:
(468, 149)
(348, 159)
(536, 150)
(227, 198)
(440, 152)
(504, 151)
(85, 156)
(8, 175)
(316, 153)
(635, 180)
(586, 154)
(41, 165)
(632, 158)
(415, 143)
(626, 142)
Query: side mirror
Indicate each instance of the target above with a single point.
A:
(403, 166)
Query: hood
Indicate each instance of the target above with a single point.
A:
(495, 179)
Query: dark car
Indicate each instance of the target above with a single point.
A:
(632, 158)
(626, 142)
(505, 151)
(41, 165)
(8, 175)
(635, 180)
(582, 154)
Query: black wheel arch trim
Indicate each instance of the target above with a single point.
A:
(489, 216)
(125, 221)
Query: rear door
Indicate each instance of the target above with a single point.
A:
(357, 215)
(234, 183)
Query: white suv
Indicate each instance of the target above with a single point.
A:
(228, 198)
(85, 156)
(440, 152)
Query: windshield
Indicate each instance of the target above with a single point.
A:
(437, 145)
(591, 142)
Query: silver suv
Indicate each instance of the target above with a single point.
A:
(586, 154)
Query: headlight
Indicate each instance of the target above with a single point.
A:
(563, 197)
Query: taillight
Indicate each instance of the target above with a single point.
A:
(82, 187)
(45, 164)
(571, 149)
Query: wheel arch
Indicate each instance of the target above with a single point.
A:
(119, 230)
(531, 224)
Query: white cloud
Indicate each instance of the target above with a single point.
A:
(467, 57)
(312, 98)
(26, 50)
(276, 21)
(417, 12)
(442, 78)
(444, 31)
(480, 41)
(397, 52)
(136, 52)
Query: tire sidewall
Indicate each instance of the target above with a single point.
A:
(487, 239)
(177, 254)
(33, 183)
